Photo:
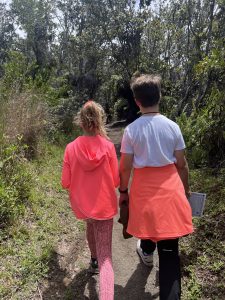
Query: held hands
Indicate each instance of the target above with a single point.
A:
(124, 213)
(188, 193)
(124, 207)
(123, 198)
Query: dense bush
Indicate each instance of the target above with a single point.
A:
(204, 132)
(15, 182)
(120, 108)
(204, 135)
(63, 114)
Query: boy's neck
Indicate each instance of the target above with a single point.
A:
(150, 109)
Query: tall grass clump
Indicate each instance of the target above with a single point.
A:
(25, 116)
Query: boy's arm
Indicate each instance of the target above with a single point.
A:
(126, 163)
(66, 172)
(183, 170)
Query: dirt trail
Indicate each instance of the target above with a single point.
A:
(133, 280)
(70, 280)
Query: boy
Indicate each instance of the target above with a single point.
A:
(159, 212)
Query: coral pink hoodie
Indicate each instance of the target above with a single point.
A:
(90, 173)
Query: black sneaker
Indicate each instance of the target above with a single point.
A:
(93, 266)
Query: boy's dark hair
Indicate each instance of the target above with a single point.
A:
(146, 89)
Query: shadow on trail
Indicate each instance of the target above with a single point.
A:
(75, 289)
(64, 289)
(135, 287)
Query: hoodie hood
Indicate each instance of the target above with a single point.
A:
(90, 151)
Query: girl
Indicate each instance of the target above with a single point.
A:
(159, 212)
(90, 173)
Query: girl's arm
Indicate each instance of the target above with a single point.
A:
(114, 167)
(66, 172)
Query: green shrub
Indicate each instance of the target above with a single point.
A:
(15, 182)
(63, 114)
(120, 109)
(204, 133)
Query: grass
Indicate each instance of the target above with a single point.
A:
(27, 246)
(203, 253)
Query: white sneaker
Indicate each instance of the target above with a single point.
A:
(147, 259)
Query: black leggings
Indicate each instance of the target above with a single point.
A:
(169, 267)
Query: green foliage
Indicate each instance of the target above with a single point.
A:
(193, 288)
(21, 75)
(25, 102)
(120, 108)
(213, 62)
(15, 182)
(193, 129)
(15, 70)
(27, 247)
(95, 47)
(7, 33)
(204, 129)
(64, 113)
(204, 132)
(203, 253)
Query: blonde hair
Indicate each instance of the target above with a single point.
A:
(92, 118)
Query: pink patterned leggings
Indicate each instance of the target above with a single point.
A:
(99, 236)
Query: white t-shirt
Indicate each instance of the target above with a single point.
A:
(152, 140)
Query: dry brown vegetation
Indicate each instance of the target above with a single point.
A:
(25, 117)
